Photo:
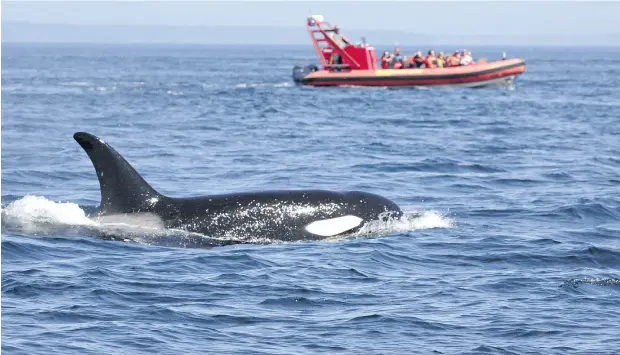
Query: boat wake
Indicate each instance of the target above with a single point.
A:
(264, 85)
(38, 216)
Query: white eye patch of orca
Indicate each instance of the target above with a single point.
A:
(333, 226)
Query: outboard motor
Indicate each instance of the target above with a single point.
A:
(300, 72)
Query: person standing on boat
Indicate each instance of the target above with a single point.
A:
(343, 37)
(335, 59)
(335, 35)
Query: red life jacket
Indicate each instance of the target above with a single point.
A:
(384, 63)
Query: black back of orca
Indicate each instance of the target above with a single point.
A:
(288, 215)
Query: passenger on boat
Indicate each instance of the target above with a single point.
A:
(335, 58)
(416, 60)
(398, 61)
(335, 35)
(386, 60)
(467, 58)
(454, 60)
(430, 60)
(404, 62)
(441, 60)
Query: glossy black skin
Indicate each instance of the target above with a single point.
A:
(275, 215)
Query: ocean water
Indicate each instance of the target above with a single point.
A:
(510, 242)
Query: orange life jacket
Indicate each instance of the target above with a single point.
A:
(398, 65)
(429, 61)
(453, 61)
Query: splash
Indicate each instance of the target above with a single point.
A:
(102, 89)
(409, 222)
(361, 87)
(267, 85)
(596, 281)
(75, 83)
(36, 215)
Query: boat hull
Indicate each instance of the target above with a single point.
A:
(501, 72)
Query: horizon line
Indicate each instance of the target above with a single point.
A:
(207, 44)
(301, 29)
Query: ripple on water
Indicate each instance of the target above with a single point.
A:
(509, 244)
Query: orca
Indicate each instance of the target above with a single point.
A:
(281, 215)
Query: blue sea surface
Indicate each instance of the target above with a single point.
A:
(510, 242)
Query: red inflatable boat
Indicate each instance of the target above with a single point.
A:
(357, 65)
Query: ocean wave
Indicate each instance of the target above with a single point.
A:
(264, 85)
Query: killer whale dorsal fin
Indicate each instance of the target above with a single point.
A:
(123, 190)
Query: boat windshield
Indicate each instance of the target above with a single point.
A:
(337, 39)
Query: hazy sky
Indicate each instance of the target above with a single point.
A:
(437, 17)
